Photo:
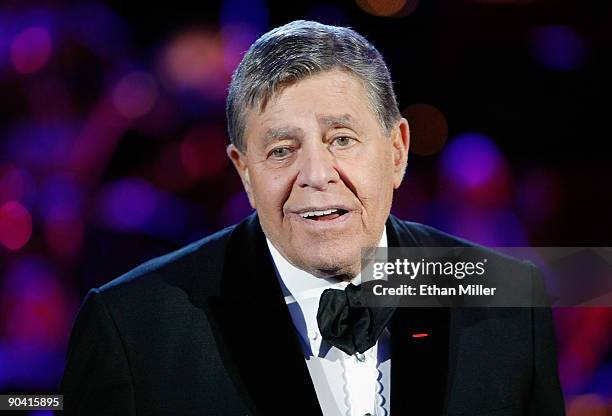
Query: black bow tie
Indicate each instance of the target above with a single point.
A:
(346, 323)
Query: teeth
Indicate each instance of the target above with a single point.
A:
(317, 213)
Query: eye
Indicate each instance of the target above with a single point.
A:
(343, 141)
(280, 152)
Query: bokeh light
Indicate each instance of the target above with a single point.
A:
(15, 225)
(489, 227)
(97, 140)
(12, 183)
(587, 405)
(473, 170)
(388, 8)
(559, 48)
(428, 129)
(194, 60)
(35, 318)
(237, 207)
(135, 94)
(40, 146)
(34, 306)
(128, 204)
(203, 152)
(242, 22)
(175, 220)
(471, 160)
(60, 208)
(31, 49)
(59, 190)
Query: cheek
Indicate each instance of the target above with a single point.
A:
(270, 192)
(373, 175)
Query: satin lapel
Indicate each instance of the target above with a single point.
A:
(253, 326)
(419, 364)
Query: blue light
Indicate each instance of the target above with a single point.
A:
(471, 160)
(559, 48)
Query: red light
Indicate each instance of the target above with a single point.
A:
(15, 225)
(420, 335)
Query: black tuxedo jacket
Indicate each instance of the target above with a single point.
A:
(205, 331)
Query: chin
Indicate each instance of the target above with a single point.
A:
(323, 264)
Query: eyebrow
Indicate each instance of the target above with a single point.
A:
(274, 134)
(344, 120)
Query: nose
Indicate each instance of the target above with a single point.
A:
(316, 167)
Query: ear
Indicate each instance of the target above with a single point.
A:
(239, 160)
(400, 138)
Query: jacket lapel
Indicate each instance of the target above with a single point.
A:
(261, 349)
(254, 329)
(419, 364)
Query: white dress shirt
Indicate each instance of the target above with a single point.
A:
(347, 385)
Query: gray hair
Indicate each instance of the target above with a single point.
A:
(298, 50)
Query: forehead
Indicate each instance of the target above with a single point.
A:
(332, 98)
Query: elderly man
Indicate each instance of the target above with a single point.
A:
(235, 324)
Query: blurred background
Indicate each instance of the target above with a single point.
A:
(112, 145)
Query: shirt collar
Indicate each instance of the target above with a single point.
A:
(303, 285)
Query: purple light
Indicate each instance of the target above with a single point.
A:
(601, 381)
(559, 48)
(14, 23)
(471, 160)
(236, 209)
(41, 146)
(30, 277)
(494, 228)
(242, 22)
(58, 192)
(254, 13)
(135, 94)
(34, 305)
(128, 204)
(60, 207)
(31, 49)
(484, 225)
(6, 36)
(236, 41)
(12, 183)
(27, 367)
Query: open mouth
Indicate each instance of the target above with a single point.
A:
(324, 215)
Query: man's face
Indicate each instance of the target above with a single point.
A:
(320, 172)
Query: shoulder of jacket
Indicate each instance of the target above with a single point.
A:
(428, 236)
(203, 257)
